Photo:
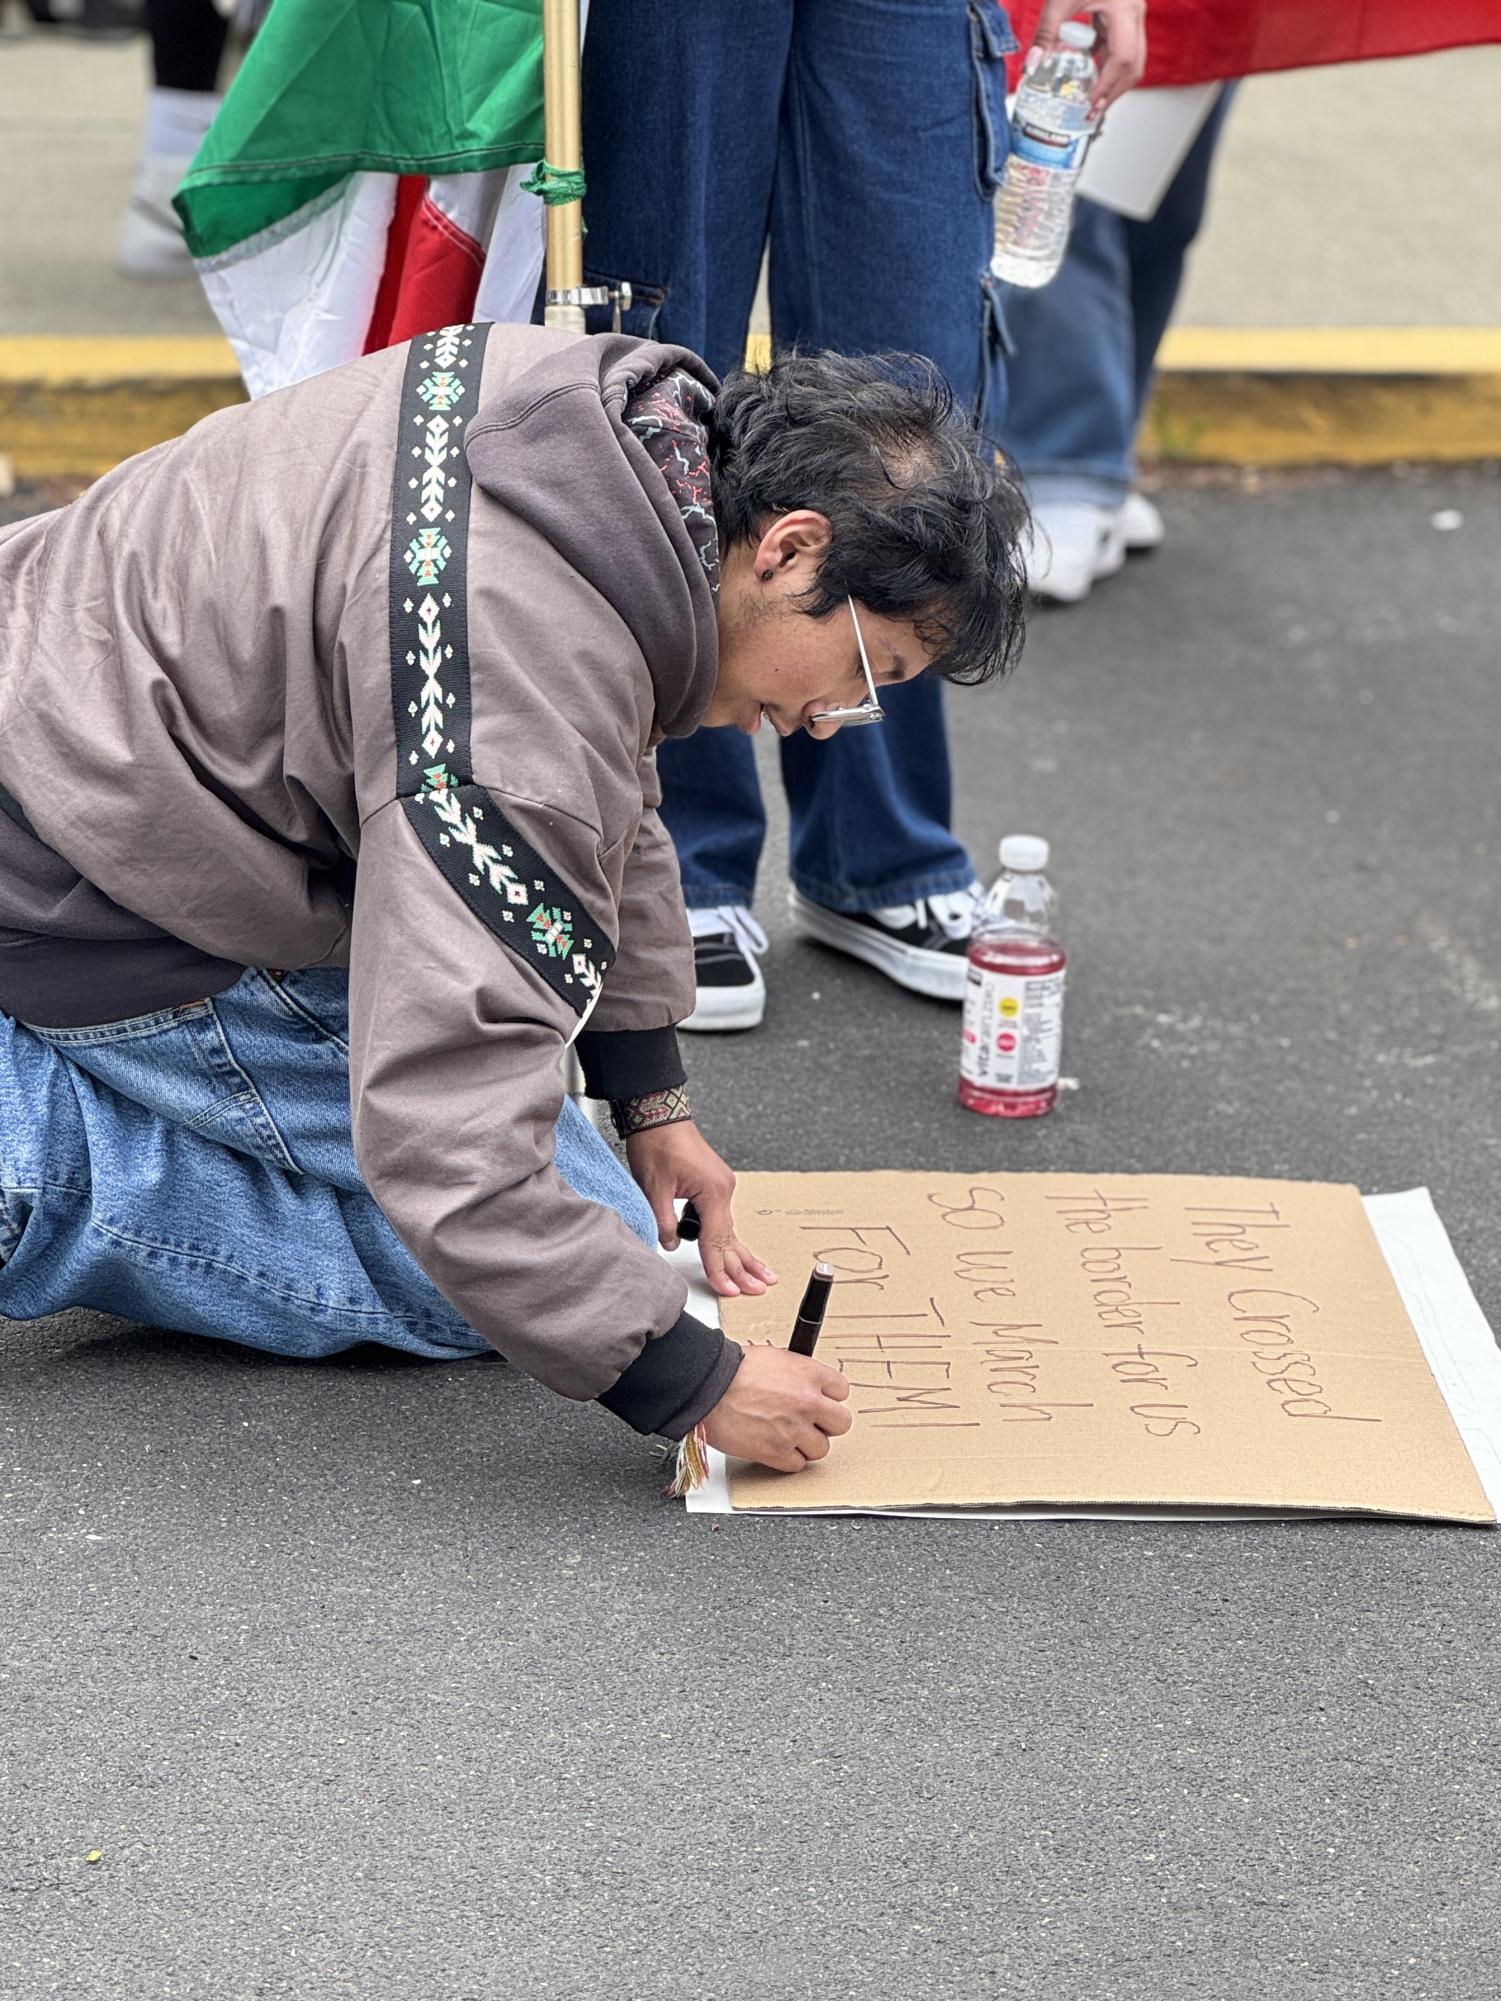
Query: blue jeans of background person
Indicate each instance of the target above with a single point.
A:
(865, 138)
(1086, 344)
(193, 1169)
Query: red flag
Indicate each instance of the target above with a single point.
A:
(1196, 41)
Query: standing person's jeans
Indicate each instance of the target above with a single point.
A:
(194, 1169)
(1086, 344)
(867, 138)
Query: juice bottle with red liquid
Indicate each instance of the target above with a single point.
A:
(1013, 996)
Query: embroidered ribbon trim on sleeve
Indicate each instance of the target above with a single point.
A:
(506, 883)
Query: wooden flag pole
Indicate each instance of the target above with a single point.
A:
(562, 125)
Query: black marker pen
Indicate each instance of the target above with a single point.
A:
(809, 1322)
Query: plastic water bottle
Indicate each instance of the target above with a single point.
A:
(1013, 995)
(1051, 126)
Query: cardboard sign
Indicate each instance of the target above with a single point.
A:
(1175, 1342)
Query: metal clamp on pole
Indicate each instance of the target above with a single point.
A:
(618, 296)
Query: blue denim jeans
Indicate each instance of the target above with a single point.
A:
(1086, 344)
(865, 138)
(194, 1169)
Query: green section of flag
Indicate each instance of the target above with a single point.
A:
(334, 87)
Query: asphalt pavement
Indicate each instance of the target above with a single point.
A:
(399, 1680)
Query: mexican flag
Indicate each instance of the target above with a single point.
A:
(362, 181)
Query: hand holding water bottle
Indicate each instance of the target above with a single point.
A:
(1057, 111)
(1122, 46)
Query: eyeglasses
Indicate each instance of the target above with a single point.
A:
(868, 711)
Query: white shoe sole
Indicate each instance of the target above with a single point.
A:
(1110, 557)
(722, 1008)
(1142, 526)
(1056, 591)
(938, 976)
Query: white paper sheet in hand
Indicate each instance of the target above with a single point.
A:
(1131, 165)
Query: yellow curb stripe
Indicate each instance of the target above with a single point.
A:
(74, 405)
(1334, 350)
(100, 363)
(1284, 396)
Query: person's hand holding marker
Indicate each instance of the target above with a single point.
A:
(1122, 52)
(783, 1408)
(671, 1162)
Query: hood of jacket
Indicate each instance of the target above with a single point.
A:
(554, 449)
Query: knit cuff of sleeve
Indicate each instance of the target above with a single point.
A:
(676, 1380)
(629, 1062)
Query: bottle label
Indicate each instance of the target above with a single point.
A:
(1048, 131)
(1013, 1030)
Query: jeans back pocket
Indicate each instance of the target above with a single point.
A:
(178, 1065)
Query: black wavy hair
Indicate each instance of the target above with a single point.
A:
(927, 521)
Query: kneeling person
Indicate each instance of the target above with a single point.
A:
(327, 768)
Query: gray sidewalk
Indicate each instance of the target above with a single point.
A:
(1345, 197)
(71, 116)
(395, 1681)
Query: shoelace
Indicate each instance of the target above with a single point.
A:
(953, 912)
(735, 919)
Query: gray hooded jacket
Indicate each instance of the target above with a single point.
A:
(371, 673)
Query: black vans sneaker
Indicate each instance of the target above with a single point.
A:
(922, 945)
(731, 993)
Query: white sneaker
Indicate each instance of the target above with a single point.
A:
(150, 242)
(731, 992)
(1073, 545)
(923, 946)
(1141, 524)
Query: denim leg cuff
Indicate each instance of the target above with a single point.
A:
(908, 890)
(1097, 489)
(709, 896)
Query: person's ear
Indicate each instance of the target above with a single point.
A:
(799, 537)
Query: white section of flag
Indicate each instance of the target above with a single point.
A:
(296, 299)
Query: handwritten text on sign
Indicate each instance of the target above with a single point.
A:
(1056, 1338)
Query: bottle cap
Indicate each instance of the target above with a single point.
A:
(1076, 35)
(1025, 853)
